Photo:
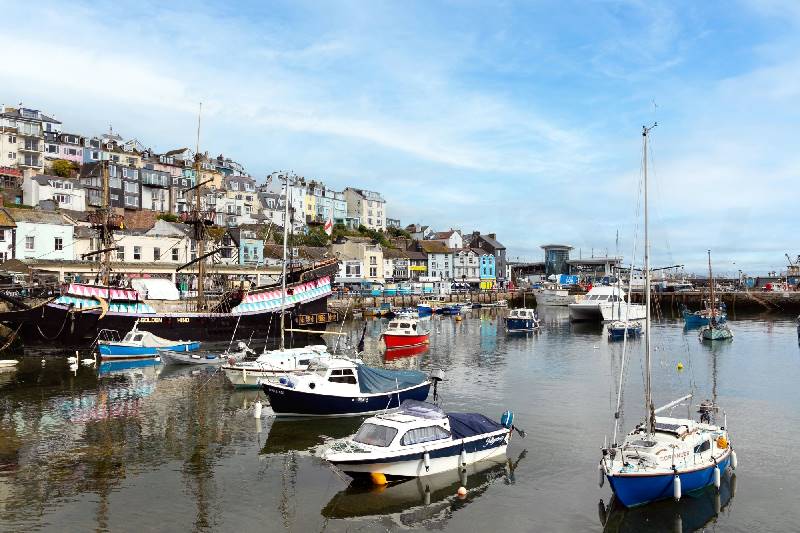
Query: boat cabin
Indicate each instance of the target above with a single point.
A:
(414, 423)
(604, 294)
(402, 326)
(523, 314)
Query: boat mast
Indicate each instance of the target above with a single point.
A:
(711, 291)
(648, 391)
(106, 231)
(199, 221)
(283, 269)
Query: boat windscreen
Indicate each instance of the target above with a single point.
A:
(375, 435)
(421, 409)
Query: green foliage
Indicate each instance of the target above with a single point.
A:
(63, 168)
(399, 232)
(168, 217)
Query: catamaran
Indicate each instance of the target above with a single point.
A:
(663, 456)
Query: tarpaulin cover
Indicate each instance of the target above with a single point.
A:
(463, 425)
(156, 288)
(374, 380)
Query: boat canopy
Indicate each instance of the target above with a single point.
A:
(156, 288)
(376, 380)
(421, 410)
(464, 425)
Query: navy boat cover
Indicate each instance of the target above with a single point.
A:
(463, 425)
(375, 380)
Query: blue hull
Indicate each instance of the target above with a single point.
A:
(291, 402)
(113, 351)
(520, 324)
(423, 310)
(632, 491)
(619, 334)
(692, 320)
(453, 310)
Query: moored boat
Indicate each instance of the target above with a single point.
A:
(618, 330)
(605, 303)
(522, 320)
(419, 440)
(171, 357)
(341, 387)
(273, 364)
(139, 344)
(403, 332)
(696, 319)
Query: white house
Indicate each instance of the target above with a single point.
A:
(7, 233)
(440, 259)
(67, 193)
(42, 234)
(466, 265)
(165, 242)
(360, 255)
(451, 238)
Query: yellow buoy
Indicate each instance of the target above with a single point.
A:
(680, 365)
(378, 478)
(458, 318)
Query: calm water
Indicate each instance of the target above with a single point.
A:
(156, 448)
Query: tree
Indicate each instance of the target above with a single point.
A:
(169, 217)
(64, 168)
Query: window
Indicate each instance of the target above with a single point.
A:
(131, 201)
(29, 243)
(115, 183)
(156, 254)
(52, 149)
(132, 187)
(373, 272)
(59, 244)
(120, 253)
(375, 435)
(12, 139)
(95, 155)
(137, 253)
(420, 435)
(175, 254)
(12, 156)
(373, 260)
(2, 235)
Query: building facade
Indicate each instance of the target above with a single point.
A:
(65, 192)
(42, 234)
(368, 206)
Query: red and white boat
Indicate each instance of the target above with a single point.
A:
(403, 332)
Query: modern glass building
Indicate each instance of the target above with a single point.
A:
(555, 258)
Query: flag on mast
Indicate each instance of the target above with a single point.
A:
(329, 226)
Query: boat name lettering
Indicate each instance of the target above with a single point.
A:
(495, 439)
(183, 320)
(150, 319)
(317, 318)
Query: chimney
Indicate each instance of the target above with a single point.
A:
(493, 236)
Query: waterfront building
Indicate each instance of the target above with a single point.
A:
(41, 234)
(323, 204)
(363, 250)
(466, 265)
(67, 193)
(488, 274)
(165, 242)
(243, 245)
(556, 257)
(396, 264)
(451, 238)
(7, 236)
(368, 206)
(489, 243)
(22, 138)
(440, 260)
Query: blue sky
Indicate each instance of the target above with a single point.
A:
(518, 118)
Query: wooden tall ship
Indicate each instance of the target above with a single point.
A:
(82, 311)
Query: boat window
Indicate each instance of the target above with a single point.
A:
(414, 327)
(419, 435)
(303, 362)
(375, 435)
(405, 325)
(137, 338)
(592, 297)
(703, 446)
(603, 297)
(341, 376)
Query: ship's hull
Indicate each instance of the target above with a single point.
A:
(62, 325)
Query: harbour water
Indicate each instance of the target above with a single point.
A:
(157, 448)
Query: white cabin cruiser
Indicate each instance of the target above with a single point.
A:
(272, 364)
(555, 295)
(606, 303)
(419, 440)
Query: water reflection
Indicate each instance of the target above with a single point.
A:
(421, 502)
(694, 512)
(303, 435)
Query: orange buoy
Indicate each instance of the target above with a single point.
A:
(378, 478)
(462, 491)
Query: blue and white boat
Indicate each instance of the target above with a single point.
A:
(618, 330)
(418, 440)
(522, 320)
(451, 309)
(702, 318)
(141, 345)
(342, 387)
(663, 457)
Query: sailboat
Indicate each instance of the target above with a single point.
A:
(716, 330)
(663, 456)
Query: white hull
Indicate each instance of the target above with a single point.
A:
(563, 300)
(606, 312)
(416, 468)
(249, 377)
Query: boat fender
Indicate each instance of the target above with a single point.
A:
(257, 411)
(463, 457)
(717, 477)
(734, 463)
(676, 487)
(378, 478)
(507, 419)
(426, 459)
(602, 475)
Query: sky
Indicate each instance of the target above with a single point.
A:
(518, 118)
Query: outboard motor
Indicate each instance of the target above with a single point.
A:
(507, 419)
(436, 376)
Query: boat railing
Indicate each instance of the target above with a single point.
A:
(105, 335)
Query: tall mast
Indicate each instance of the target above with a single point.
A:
(106, 232)
(648, 391)
(283, 269)
(199, 222)
(711, 289)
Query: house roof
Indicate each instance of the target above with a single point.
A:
(44, 179)
(434, 247)
(37, 216)
(8, 171)
(443, 234)
(393, 253)
(140, 220)
(6, 221)
(492, 242)
(312, 253)
(175, 152)
(414, 254)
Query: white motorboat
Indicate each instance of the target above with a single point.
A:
(171, 357)
(419, 440)
(556, 296)
(273, 364)
(606, 303)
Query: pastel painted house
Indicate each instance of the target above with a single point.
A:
(488, 273)
(66, 193)
(42, 234)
